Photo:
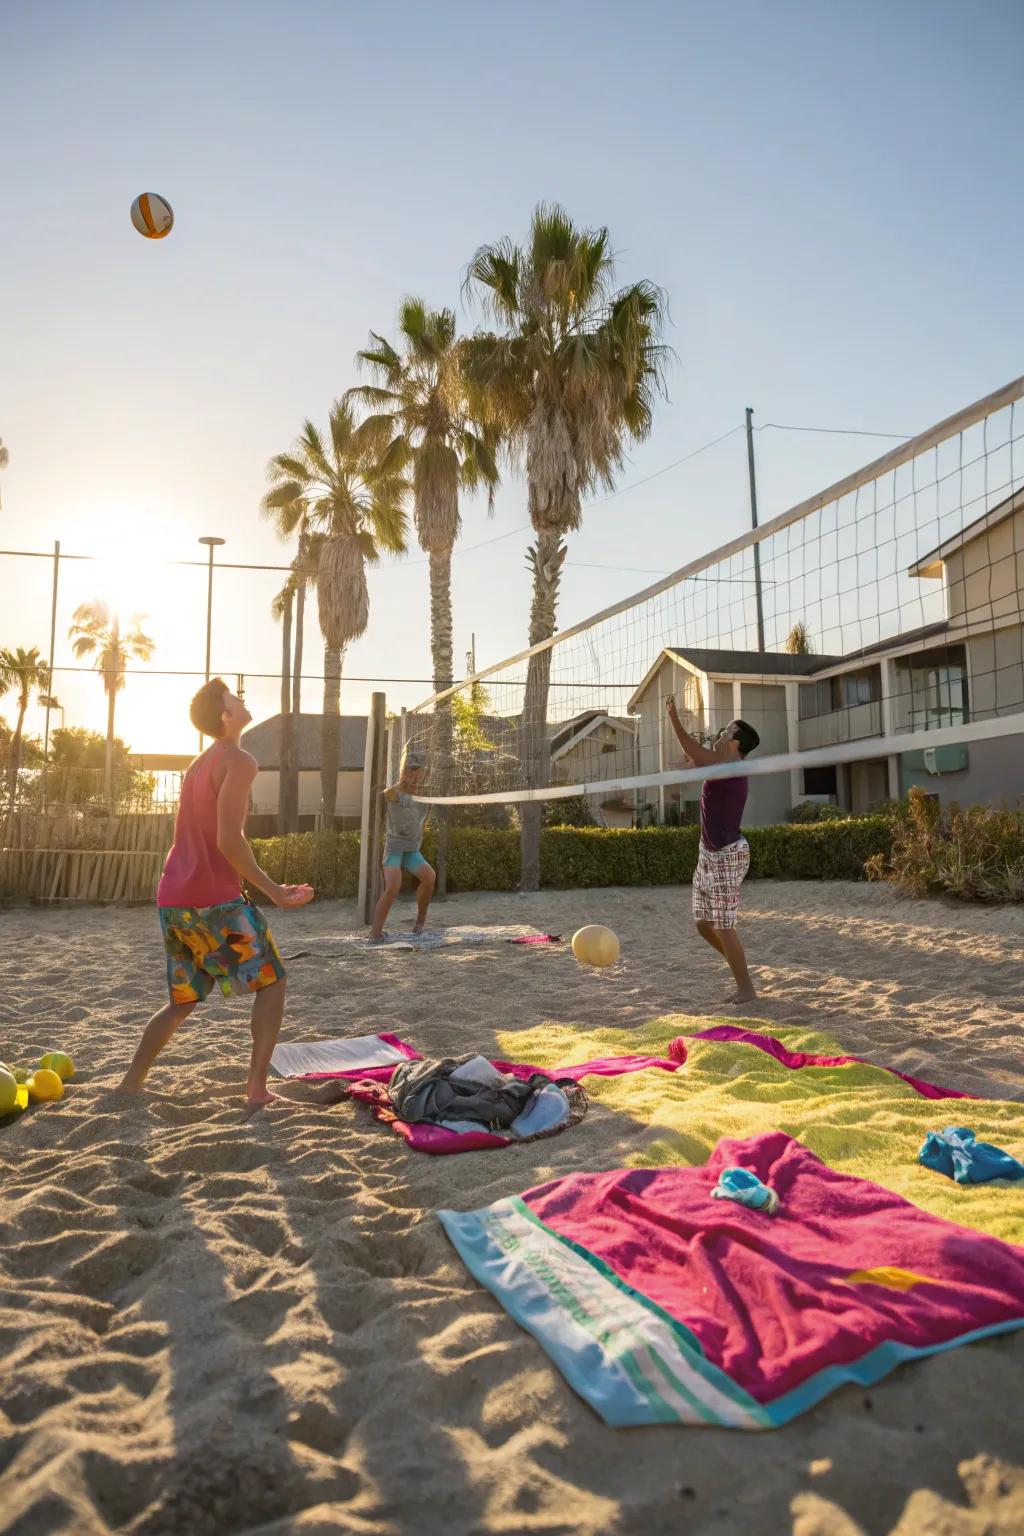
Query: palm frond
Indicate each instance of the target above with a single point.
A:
(374, 436)
(493, 277)
(287, 466)
(381, 356)
(373, 395)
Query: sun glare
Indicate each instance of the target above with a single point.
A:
(126, 574)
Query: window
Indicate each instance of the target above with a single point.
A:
(820, 781)
(856, 688)
(844, 692)
(932, 688)
(816, 699)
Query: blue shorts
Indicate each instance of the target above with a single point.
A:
(410, 861)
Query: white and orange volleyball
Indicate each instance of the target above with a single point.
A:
(152, 215)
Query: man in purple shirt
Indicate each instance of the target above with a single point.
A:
(724, 852)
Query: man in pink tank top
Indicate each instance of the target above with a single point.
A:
(212, 935)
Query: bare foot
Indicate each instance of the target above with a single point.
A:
(748, 995)
(129, 1085)
(259, 1099)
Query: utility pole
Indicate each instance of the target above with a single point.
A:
(753, 523)
(212, 543)
(53, 647)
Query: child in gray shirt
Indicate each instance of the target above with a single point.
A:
(406, 818)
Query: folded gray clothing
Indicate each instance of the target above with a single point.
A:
(432, 1092)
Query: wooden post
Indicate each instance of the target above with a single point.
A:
(372, 818)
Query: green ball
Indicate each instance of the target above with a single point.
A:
(8, 1091)
(59, 1062)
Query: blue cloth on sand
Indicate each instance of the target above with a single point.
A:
(956, 1153)
(745, 1187)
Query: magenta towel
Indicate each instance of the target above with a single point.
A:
(797, 1059)
(660, 1303)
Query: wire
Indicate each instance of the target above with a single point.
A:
(600, 500)
(779, 426)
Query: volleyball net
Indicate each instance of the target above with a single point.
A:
(870, 634)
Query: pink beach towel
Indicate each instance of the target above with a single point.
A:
(662, 1304)
(798, 1059)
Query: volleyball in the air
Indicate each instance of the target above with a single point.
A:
(595, 945)
(152, 215)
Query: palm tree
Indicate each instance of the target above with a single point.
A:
(569, 377)
(798, 641)
(96, 631)
(27, 673)
(281, 608)
(418, 419)
(340, 491)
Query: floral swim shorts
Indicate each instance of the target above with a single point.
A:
(229, 946)
(716, 884)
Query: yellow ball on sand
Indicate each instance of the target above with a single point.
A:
(45, 1085)
(595, 945)
(59, 1062)
(8, 1091)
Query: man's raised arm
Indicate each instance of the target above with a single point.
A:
(701, 757)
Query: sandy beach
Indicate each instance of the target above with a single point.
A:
(213, 1325)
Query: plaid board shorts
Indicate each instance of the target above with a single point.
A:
(717, 881)
(229, 946)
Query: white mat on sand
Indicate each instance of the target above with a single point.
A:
(355, 1054)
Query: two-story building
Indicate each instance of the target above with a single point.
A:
(965, 667)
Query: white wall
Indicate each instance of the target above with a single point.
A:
(350, 792)
(985, 579)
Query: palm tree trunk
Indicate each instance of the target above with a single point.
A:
(293, 772)
(330, 739)
(12, 772)
(15, 763)
(300, 620)
(285, 744)
(108, 760)
(441, 652)
(547, 557)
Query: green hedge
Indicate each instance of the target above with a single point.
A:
(328, 861)
(487, 859)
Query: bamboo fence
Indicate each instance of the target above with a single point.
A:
(68, 857)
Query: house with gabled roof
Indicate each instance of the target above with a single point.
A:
(966, 666)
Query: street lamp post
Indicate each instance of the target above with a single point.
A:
(211, 542)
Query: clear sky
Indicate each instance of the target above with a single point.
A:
(830, 194)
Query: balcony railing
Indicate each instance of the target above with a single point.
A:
(852, 724)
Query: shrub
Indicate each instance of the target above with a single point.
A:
(328, 861)
(573, 811)
(816, 810)
(479, 858)
(487, 859)
(975, 854)
(824, 850)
